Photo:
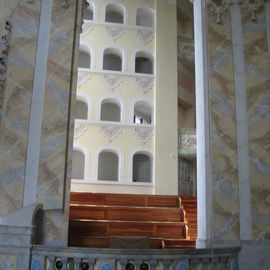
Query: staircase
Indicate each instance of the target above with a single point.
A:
(100, 220)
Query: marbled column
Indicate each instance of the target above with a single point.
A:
(16, 101)
(53, 184)
(223, 131)
(258, 95)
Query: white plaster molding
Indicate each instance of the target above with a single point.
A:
(112, 80)
(110, 132)
(204, 162)
(36, 111)
(242, 124)
(114, 32)
(83, 77)
(145, 35)
(143, 134)
(145, 84)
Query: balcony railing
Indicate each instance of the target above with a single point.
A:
(116, 259)
(187, 142)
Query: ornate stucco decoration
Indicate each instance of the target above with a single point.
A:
(187, 142)
(145, 35)
(114, 32)
(65, 3)
(112, 80)
(110, 132)
(218, 10)
(83, 77)
(144, 134)
(87, 28)
(4, 48)
(145, 83)
(79, 130)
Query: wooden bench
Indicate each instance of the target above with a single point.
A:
(126, 213)
(125, 199)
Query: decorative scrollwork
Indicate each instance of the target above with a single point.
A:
(87, 28)
(218, 10)
(114, 32)
(145, 83)
(111, 132)
(112, 80)
(79, 130)
(4, 48)
(145, 35)
(144, 134)
(83, 77)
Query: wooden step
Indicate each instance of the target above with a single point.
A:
(104, 242)
(126, 213)
(178, 243)
(125, 199)
(127, 228)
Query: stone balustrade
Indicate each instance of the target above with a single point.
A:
(108, 259)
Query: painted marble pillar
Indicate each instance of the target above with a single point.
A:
(16, 100)
(223, 128)
(257, 78)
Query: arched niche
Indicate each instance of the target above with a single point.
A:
(144, 63)
(142, 167)
(108, 163)
(114, 13)
(110, 110)
(142, 113)
(145, 17)
(78, 164)
(81, 110)
(112, 59)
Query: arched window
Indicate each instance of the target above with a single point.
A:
(114, 13)
(81, 110)
(145, 17)
(142, 113)
(84, 59)
(112, 59)
(143, 63)
(89, 12)
(108, 166)
(78, 161)
(142, 168)
(110, 111)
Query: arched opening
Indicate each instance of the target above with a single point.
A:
(143, 63)
(81, 110)
(78, 161)
(112, 59)
(110, 111)
(142, 113)
(84, 59)
(89, 12)
(114, 14)
(145, 17)
(142, 168)
(108, 166)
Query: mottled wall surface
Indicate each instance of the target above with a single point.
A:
(52, 185)
(17, 100)
(223, 131)
(258, 95)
